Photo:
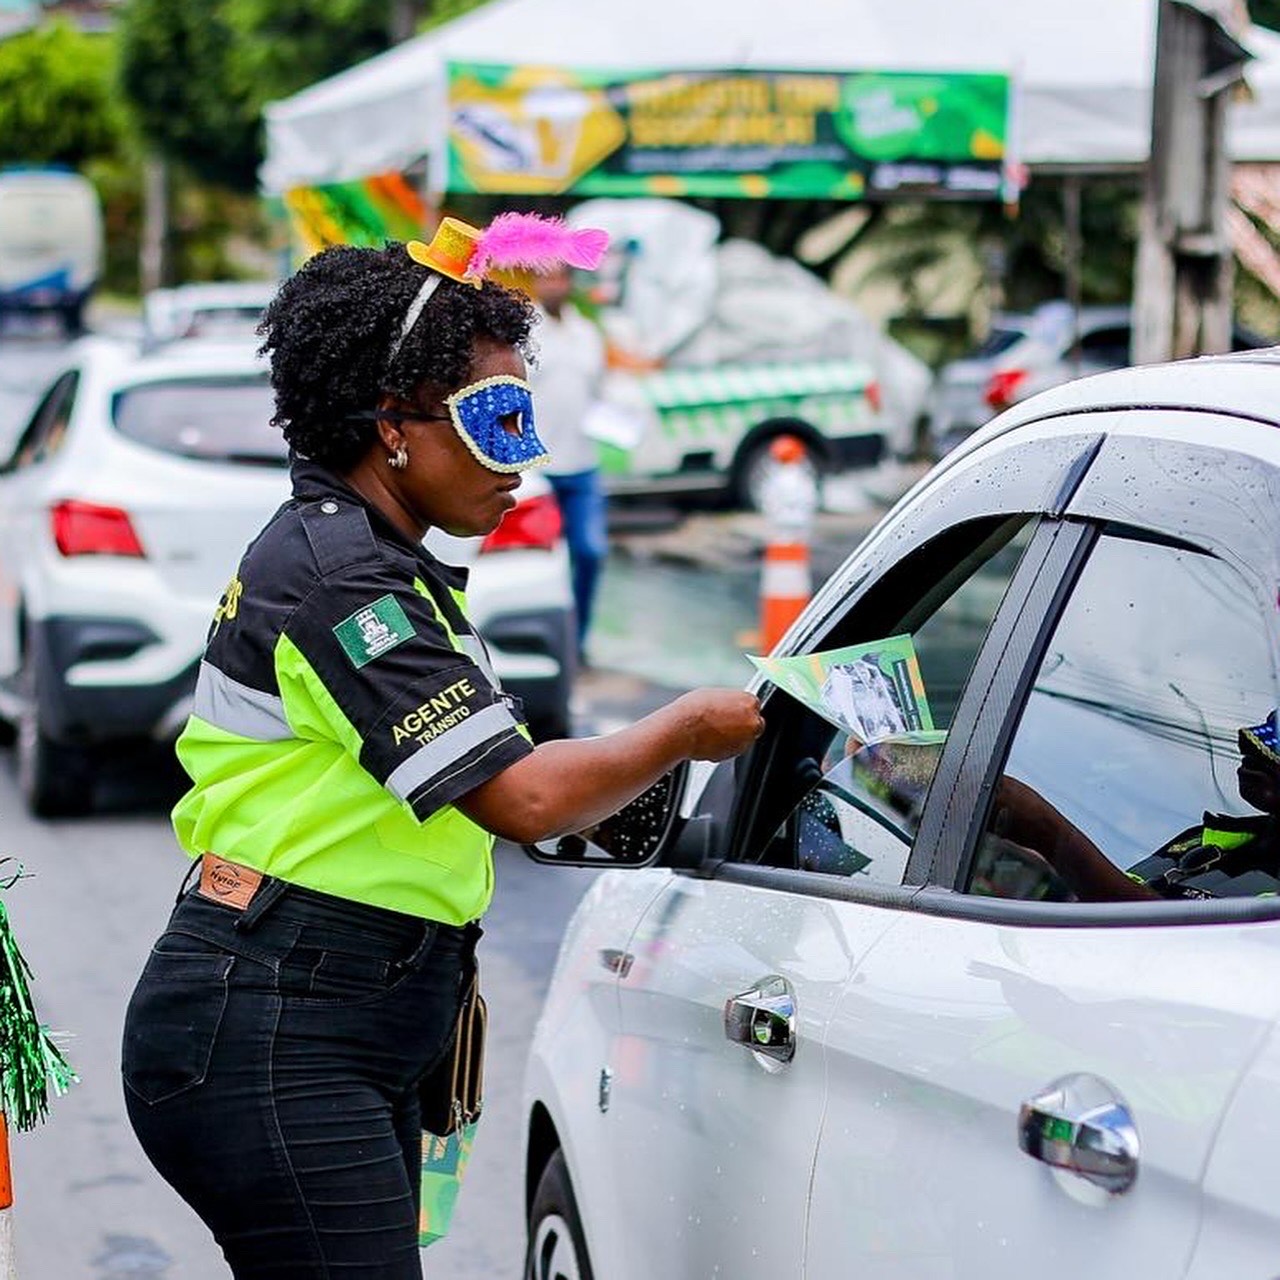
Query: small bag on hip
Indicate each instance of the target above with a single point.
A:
(452, 1094)
(451, 1098)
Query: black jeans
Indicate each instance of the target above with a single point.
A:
(270, 1063)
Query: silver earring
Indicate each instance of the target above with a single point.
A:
(399, 459)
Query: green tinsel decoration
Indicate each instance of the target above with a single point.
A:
(30, 1062)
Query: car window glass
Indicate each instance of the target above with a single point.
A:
(1107, 346)
(996, 343)
(852, 807)
(222, 419)
(1144, 761)
(45, 432)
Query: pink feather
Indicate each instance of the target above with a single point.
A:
(531, 242)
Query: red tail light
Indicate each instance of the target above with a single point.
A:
(86, 529)
(874, 397)
(1002, 387)
(535, 522)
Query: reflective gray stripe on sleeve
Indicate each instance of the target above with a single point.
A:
(474, 648)
(452, 745)
(227, 704)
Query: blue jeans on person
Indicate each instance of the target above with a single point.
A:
(271, 1062)
(580, 496)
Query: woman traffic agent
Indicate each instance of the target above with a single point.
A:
(352, 759)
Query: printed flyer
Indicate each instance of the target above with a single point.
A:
(873, 691)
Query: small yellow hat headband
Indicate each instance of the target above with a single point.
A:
(450, 251)
(461, 252)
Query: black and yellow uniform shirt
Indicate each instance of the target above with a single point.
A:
(1222, 857)
(343, 704)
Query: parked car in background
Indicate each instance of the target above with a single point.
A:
(219, 310)
(1028, 353)
(957, 403)
(124, 508)
(849, 1007)
(51, 243)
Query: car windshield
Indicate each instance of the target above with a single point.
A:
(223, 419)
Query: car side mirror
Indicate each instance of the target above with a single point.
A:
(635, 836)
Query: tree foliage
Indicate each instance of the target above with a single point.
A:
(200, 72)
(180, 69)
(284, 45)
(1266, 13)
(57, 99)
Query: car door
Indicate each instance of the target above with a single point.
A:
(37, 443)
(719, 1070)
(1027, 1071)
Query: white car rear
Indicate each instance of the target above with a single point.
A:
(124, 509)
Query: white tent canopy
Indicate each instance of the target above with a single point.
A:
(1083, 70)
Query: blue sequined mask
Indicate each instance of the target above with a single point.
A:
(1261, 740)
(494, 417)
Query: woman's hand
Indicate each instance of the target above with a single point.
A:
(722, 723)
(571, 784)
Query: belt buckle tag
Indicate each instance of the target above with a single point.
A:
(227, 882)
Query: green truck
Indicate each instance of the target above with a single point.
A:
(698, 430)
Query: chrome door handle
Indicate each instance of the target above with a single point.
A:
(1080, 1124)
(764, 1019)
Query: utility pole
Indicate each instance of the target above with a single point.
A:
(403, 23)
(1073, 251)
(153, 250)
(1183, 275)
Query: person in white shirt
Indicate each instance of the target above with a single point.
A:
(566, 380)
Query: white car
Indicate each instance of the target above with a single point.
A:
(1001, 1000)
(124, 508)
(956, 406)
(1029, 353)
(230, 309)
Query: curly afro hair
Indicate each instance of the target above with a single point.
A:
(330, 329)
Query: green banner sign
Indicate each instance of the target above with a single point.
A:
(542, 131)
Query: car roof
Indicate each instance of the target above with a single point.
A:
(233, 293)
(118, 363)
(1242, 384)
(1218, 383)
(1053, 322)
(224, 349)
(170, 314)
(1010, 320)
(1097, 316)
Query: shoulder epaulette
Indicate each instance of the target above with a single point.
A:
(339, 534)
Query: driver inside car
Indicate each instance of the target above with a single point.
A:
(1031, 850)
(859, 787)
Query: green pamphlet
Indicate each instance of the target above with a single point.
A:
(873, 691)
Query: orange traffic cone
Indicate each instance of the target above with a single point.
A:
(790, 499)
